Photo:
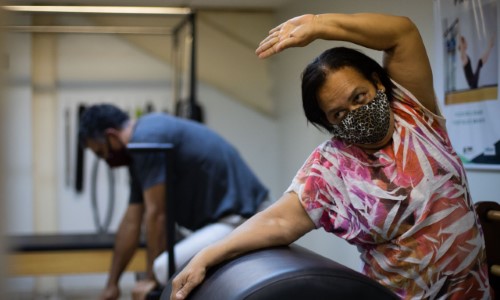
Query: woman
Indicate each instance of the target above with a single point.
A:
(387, 181)
(472, 76)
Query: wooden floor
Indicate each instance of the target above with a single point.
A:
(36, 263)
(59, 254)
(90, 293)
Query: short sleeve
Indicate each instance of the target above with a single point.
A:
(149, 169)
(406, 96)
(317, 185)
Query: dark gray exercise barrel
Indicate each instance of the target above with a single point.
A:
(285, 273)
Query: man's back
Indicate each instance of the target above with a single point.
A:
(211, 179)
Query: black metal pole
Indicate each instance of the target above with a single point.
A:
(169, 191)
(168, 150)
(192, 83)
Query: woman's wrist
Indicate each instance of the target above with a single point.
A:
(317, 25)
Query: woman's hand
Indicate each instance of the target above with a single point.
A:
(296, 32)
(189, 278)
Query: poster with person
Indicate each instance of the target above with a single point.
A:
(468, 35)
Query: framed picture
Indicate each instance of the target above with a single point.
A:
(467, 36)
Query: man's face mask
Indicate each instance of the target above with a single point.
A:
(117, 158)
(367, 124)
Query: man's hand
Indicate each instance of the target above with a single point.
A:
(111, 292)
(142, 288)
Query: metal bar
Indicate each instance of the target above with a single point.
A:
(181, 24)
(192, 79)
(135, 10)
(169, 159)
(493, 215)
(91, 29)
(150, 147)
(175, 67)
(168, 150)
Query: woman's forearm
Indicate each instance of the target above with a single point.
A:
(375, 31)
(281, 224)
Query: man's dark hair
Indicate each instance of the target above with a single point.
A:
(97, 118)
(334, 59)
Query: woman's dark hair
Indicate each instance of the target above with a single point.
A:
(314, 76)
(97, 118)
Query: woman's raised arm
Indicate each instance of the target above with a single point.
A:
(405, 57)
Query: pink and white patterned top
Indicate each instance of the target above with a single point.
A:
(407, 207)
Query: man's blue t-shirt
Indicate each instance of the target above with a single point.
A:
(211, 179)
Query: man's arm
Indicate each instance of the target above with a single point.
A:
(155, 221)
(127, 239)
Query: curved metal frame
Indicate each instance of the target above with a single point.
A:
(104, 226)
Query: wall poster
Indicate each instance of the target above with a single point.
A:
(468, 31)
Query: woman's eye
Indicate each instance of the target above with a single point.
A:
(337, 116)
(360, 98)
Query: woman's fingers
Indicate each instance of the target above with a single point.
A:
(274, 42)
(185, 282)
(277, 28)
(180, 289)
(267, 48)
(269, 38)
(184, 291)
(295, 32)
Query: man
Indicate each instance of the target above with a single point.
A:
(215, 190)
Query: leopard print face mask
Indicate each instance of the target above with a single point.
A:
(367, 124)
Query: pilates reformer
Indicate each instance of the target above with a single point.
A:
(56, 254)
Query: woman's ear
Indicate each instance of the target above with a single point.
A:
(376, 81)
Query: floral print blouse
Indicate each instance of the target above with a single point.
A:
(406, 207)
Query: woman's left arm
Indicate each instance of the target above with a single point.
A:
(405, 57)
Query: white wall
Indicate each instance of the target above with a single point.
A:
(298, 139)
(17, 152)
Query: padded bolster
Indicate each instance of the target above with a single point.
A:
(285, 273)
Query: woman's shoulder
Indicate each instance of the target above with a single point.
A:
(403, 97)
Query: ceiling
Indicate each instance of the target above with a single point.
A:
(196, 4)
(241, 87)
